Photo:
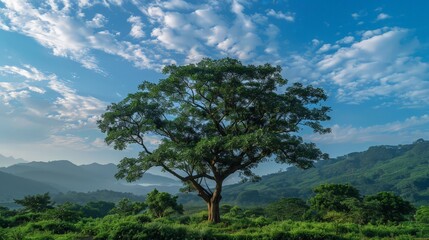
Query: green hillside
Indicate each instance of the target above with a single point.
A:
(17, 187)
(402, 169)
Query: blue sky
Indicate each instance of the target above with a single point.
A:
(63, 61)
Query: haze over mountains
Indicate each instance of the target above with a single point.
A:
(8, 161)
(403, 169)
(63, 176)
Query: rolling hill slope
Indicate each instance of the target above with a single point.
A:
(14, 187)
(402, 169)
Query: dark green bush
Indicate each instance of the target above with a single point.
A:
(56, 227)
(128, 231)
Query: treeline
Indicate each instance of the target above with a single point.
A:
(336, 211)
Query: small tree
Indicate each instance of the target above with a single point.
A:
(334, 197)
(68, 212)
(161, 204)
(213, 119)
(127, 207)
(36, 203)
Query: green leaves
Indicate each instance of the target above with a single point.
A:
(215, 118)
(36, 203)
(161, 204)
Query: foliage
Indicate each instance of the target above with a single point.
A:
(97, 209)
(127, 207)
(67, 212)
(99, 195)
(422, 214)
(387, 207)
(401, 169)
(334, 197)
(215, 118)
(161, 204)
(235, 227)
(287, 208)
(36, 203)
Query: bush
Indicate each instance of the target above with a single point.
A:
(56, 227)
(422, 214)
(128, 231)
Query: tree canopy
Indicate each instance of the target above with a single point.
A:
(36, 203)
(212, 119)
(161, 204)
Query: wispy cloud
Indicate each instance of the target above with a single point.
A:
(380, 63)
(356, 16)
(69, 108)
(164, 30)
(136, 27)
(289, 16)
(407, 130)
(382, 16)
(97, 22)
(71, 37)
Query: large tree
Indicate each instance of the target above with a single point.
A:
(213, 119)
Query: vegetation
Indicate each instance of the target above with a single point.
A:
(161, 204)
(401, 169)
(36, 203)
(215, 118)
(133, 220)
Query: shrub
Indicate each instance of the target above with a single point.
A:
(422, 214)
(57, 227)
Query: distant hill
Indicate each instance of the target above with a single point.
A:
(65, 176)
(109, 170)
(13, 187)
(8, 161)
(403, 169)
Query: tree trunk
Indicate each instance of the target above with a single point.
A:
(213, 210)
(213, 204)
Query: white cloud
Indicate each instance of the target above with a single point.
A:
(69, 108)
(176, 4)
(382, 16)
(52, 29)
(37, 89)
(167, 29)
(70, 37)
(97, 22)
(290, 17)
(194, 56)
(136, 27)
(327, 47)
(28, 72)
(315, 42)
(381, 65)
(407, 130)
(346, 40)
(355, 16)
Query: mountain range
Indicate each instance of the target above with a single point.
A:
(63, 176)
(8, 161)
(402, 169)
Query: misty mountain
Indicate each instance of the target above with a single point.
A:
(13, 187)
(402, 169)
(109, 170)
(8, 161)
(64, 176)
